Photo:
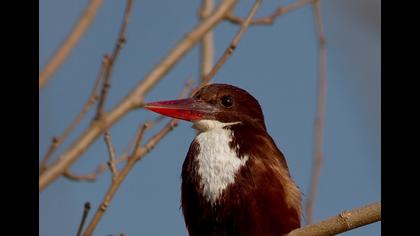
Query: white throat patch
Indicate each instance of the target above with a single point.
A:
(217, 162)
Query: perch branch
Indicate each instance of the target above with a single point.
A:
(343, 222)
(65, 48)
(268, 20)
(121, 39)
(135, 98)
(320, 115)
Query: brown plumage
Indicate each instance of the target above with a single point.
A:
(262, 199)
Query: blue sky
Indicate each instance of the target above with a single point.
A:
(278, 64)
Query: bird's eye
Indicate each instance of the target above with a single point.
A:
(227, 101)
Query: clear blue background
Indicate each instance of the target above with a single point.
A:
(277, 64)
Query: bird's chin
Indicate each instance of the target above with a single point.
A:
(206, 125)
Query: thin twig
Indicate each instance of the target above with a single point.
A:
(112, 160)
(135, 98)
(140, 136)
(270, 19)
(65, 48)
(207, 44)
(228, 52)
(320, 115)
(343, 222)
(121, 39)
(150, 124)
(75, 177)
(86, 209)
(57, 140)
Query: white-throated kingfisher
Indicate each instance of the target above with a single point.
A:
(235, 181)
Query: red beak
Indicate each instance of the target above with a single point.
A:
(184, 109)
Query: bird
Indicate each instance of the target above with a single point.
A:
(235, 180)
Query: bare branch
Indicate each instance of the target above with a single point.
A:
(320, 115)
(137, 155)
(144, 127)
(207, 44)
(268, 20)
(86, 209)
(343, 222)
(65, 48)
(57, 140)
(121, 39)
(112, 160)
(135, 98)
(228, 52)
(123, 157)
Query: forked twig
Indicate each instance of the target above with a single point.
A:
(320, 115)
(122, 158)
(147, 125)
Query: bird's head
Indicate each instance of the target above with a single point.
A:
(212, 105)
